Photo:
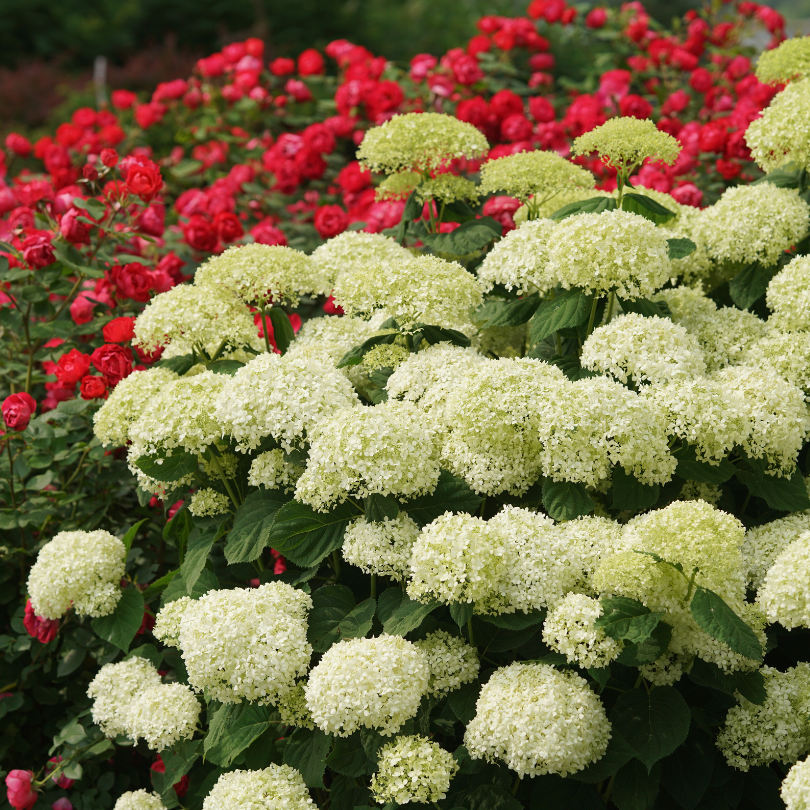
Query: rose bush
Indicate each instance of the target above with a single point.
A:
(575, 348)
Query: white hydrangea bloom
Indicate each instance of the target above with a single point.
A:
(452, 661)
(787, 353)
(494, 415)
(292, 707)
(779, 135)
(271, 470)
(412, 289)
(788, 296)
(284, 397)
(353, 250)
(686, 303)
(614, 250)
(591, 539)
(246, 643)
(383, 547)
(114, 689)
(188, 316)
(698, 491)
(726, 335)
(386, 449)
(459, 558)
(763, 544)
(80, 570)
(776, 731)
(139, 800)
(689, 224)
(111, 422)
(648, 350)
(163, 715)
(167, 621)
(276, 787)
(594, 423)
(367, 683)
(785, 593)
(666, 670)
(520, 260)
(795, 790)
(266, 273)
(538, 720)
(569, 629)
(755, 223)
(208, 502)
(412, 769)
(328, 338)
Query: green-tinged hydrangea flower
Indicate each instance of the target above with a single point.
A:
(354, 250)
(77, 569)
(795, 790)
(785, 593)
(726, 335)
(447, 188)
(615, 250)
(293, 708)
(373, 683)
(412, 769)
(686, 303)
(755, 224)
(188, 315)
(537, 175)
(272, 470)
(162, 715)
(276, 787)
(788, 296)
(421, 142)
(208, 502)
(777, 730)
(452, 661)
(111, 422)
(538, 720)
(782, 134)
(265, 273)
(787, 353)
(625, 143)
(139, 800)
(385, 356)
(381, 547)
(790, 60)
(520, 260)
(283, 397)
(666, 670)
(167, 621)
(555, 203)
(398, 186)
(689, 224)
(388, 450)
(422, 288)
(590, 539)
(646, 350)
(114, 688)
(763, 544)
(569, 629)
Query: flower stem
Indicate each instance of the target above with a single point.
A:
(592, 317)
(470, 632)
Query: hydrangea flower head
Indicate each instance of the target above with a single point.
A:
(788, 296)
(452, 661)
(139, 800)
(382, 547)
(790, 60)
(163, 715)
(353, 250)
(208, 502)
(276, 787)
(272, 470)
(780, 135)
(785, 593)
(795, 791)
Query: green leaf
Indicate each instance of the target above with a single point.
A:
(783, 178)
(751, 685)
(179, 760)
(200, 543)
(715, 617)
(120, 626)
(617, 755)
(508, 313)
(627, 619)
(516, 621)
(785, 494)
(593, 205)
(552, 792)
(630, 493)
(306, 751)
(570, 366)
(636, 787)
(687, 772)
(647, 208)
(130, 535)
(73, 407)
(331, 604)
(487, 797)
(358, 622)
(179, 365)
(648, 650)
(690, 467)
(462, 701)
(399, 614)
(750, 284)
(207, 581)
(649, 309)
(355, 356)
(177, 530)
(252, 524)
(451, 495)
(227, 367)
(159, 585)
(469, 237)
(653, 724)
(348, 756)
(236, 731)
(168, 468)
(149, 652)
(439, 334)
(306, 536)
(680, 248)
(565, 500)
(379, 507)
(283, 333)
(461, 612)
(568, 308)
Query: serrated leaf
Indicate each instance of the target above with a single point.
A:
(355, 356)
(715, 617)
(440, 334)
(627, 619)
(239, 727)
(653, 724)
(751, 685)
(469, 237)
(552, 792)
(179, 365)
(149, 652)
(283, 332)
(567, 309)
(461, 612)
(168, 468)
(306, 536)
(399, 614)
(618, 754)
(207, 581)
(516, 621)
(629, 493)
(357, 622)
(179, 760)
(130, 535)
(200, 541)
(451, 495)
(508, 313)
(690, 467)
(636, 787)
(348, 756)
(252, 524)
(647, 208)
(648, 650)
(570, 366)
(331, 604)
(680, 248)
(687, 772)
(159, 585)
(750, 284)
(565, 500)
(785, 494)
(462, 701)
(306, 751)
(120, 626)
(379, 507)
(227, 367)
(593, 205)
(646, 308)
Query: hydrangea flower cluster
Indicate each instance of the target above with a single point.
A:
(276, 787)
(383, 547)
(139, 800)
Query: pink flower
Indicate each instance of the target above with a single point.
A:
(62, 804)
(18, 788)
(63, 781)
(37, 627)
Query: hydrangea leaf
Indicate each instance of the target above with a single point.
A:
(551, 792)
(627, 619)
(566, 309)
(636, 787)
(307, 536)
(630, 493)
(649, 209)
(331, 604)
(120, 626)
(357, 623)
(687, 771)
(508, 313)
(565, 500)
(283, 333)
(200, 542)
(306, 751)
(399, 614)
(251, 526)
(167, 468)
(715, 617)
(785, 494)
(348, 756)
(467, 238)
(452, 494)
(750, 284)
(378, 507)
(680, 248)
(593, 205)
(618, 754)
(691, 468)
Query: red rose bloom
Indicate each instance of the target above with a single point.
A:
(330, 220)
(78, 233)
(18, 144)
(123, 99)
(310, 63)
(119, 330)
(199, 233)
(18, 409)
(114, 362)
(71, 367)
(596, 18)
(37, 627)
(266, 233)
(109, 157)
(635, 107)
(502, 208)
(93, 387)
(20, 794)
(37, 250)
(132, 280)
(228, 226)
(282, 66)
(143, 178)
(81, 309)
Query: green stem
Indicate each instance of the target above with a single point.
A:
(592, 317)
(691, 586)
(516, 785)
(216, 465)
(336, 564)
(611, 303)
(70, 295)
(373, 586)
(470, 632)
(266, 335)
(483, 504)
(78, 468)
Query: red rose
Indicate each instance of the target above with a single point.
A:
(516, 128)
(353, 177)
(199, 233)
(18, 144)
(37, 627)
(688, 194)
(119, 330)
(132, 280)
(18, 788)
(37, 250)
(78, 233)
(266, 233)
(713, 137)
(143, 178)
(81, 309)
(330, 220)
(109, 157)
(159, 766)
(228, 226)
(152, 220)
(635, 107)
(171, 264)
(310, 63)
(114, 362)
(93, 387)
(18, 410)
(596, 18)
(505, 103)
(123, 99)
(282, 66)
(71, 367)
(502, 208)
(309, 164)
